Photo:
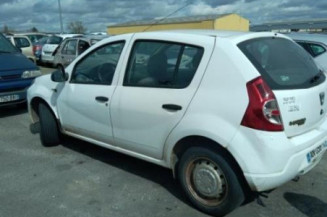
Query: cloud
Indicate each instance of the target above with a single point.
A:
(97, 14)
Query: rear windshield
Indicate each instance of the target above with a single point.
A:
(282, 63)
(6, 46)
(54, 40)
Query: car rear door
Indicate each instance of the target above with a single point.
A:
(298, 85)
(160, 80)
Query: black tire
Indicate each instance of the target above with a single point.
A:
(209, 181)
(49, 130)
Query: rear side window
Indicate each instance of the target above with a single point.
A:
(21, 42)
(282, 63)
(162, 64)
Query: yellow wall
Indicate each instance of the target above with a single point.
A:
(228, 22)
(192, 25)
(232, 22)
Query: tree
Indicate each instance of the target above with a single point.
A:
(34, 29)
(76, 27)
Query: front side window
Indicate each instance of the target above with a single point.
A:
(99, 66)
(162, 64)
(282, 63)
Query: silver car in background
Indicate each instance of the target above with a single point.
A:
(70, 48)
(47, 55)
(315, 44)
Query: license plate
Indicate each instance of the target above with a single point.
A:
(312, 155)
(9, 98)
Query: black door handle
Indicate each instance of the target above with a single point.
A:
(102, 99)
(172, 107)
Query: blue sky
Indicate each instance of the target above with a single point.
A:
(96, 15)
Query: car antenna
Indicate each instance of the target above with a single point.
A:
(158, 21)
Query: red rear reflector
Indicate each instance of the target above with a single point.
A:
(262, 112)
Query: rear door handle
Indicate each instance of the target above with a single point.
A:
(172, 107)
(102, 99)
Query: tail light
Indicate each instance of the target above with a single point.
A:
(36, 48)
(262, 112)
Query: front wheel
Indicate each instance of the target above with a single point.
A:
(49, 130)
(209, 181)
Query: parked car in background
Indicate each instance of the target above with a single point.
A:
(70, 48)
(24, 43)
(16, 73)
(225, 111)
(47, 55)
(33, 36)
(315, 45)
(37, 48)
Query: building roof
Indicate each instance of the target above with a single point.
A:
(172, 20)
(304, 24)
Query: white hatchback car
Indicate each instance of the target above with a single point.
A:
(226, 111)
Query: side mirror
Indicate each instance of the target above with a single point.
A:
(59, 76)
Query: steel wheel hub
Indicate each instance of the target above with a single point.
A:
(207, 180)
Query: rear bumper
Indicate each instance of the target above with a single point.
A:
(297, 165)
(270, 159)
(47, 58)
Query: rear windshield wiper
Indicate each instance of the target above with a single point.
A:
(316, 77)
(2, 51)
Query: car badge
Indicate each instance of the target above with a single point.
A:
(322, 98)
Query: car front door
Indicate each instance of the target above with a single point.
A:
(160, 80)
(83, 104)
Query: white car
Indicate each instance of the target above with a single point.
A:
(47, 54)
(245, 110)
(315, 45)
(24, 43)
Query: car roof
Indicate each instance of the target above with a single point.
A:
(309, 37)
(236, 36)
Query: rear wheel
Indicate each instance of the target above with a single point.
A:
(209, 181)
(49, 130)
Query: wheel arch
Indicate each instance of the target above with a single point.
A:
(34, 107)
(200, 141)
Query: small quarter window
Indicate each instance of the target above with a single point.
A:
(317, 49)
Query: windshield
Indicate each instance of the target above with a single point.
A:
(6, 46)
(282, 63)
